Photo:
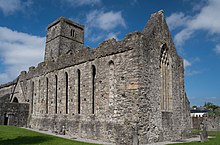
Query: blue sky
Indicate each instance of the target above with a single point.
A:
(194, 26)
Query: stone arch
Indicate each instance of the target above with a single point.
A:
(166, 79)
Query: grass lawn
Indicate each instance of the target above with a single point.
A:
(10, 135)
(211, 141)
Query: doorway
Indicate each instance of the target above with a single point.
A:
(5, 119)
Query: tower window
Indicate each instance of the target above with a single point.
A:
(72, 33)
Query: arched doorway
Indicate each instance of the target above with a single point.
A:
(5, 119)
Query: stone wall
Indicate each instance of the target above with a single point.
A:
(196, 121)
(15, 114)
(212, 123)
(114, 107)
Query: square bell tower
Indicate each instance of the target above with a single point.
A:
(64, 36)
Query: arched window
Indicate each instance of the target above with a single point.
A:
(32, 97)
(47, 91)
(111, 81)
(39, 91)
(78, 88)
(166, 79)
(93, 88)
(56, 87)
(72, 33)
(67, 94)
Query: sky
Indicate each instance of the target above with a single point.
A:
(194, 26)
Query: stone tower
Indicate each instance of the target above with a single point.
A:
(63, 37)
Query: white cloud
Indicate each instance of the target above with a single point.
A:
(112, 35)
(83, 2)
(105, 20)
(18, 51)
(11, 6)
(206, 19)
(217, 49)
(190, 73)
(101, 25)
(182, 36)
(176, 20)
(186, 63)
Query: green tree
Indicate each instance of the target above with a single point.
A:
(214, 109)
(210, 106)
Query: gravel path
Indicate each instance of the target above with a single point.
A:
(70, 137)
(105, 143)
(178, 141)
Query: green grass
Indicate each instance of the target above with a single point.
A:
(10, 135)
(211, 141)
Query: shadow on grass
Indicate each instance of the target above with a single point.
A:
(25, 140)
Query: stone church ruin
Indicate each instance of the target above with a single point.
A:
(121, 92)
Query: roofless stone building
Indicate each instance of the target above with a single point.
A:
(122, 92)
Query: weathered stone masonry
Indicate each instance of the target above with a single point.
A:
(121, 92)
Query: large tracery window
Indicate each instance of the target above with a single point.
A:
(166, 80)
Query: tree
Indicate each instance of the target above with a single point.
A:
(194, 106)
(210, 106)
(215, 109)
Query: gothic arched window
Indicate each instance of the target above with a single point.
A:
(67, 93)
(78, 88)
(56, 85)
(93, 88)
(166, 79)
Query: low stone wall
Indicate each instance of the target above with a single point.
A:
(212, 123)
(86, 127)
(15, 114)
(196, 121)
